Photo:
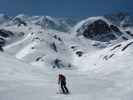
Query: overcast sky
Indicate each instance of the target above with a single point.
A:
(65, 7)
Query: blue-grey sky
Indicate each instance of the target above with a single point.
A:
(65, 7)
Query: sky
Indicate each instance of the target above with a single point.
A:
(76, 8)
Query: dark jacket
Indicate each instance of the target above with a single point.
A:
(61, 79)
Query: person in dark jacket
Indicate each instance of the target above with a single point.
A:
(62, 82)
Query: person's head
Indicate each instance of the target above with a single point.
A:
(60, 75)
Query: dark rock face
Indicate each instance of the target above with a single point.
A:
(39, 58)
(5, 37)
(115, 29)
(58, 63)
(79, 53)
(129, 33)
(124, 48)
(97, 27)
(5, 34)
(20, 22)
(54, 47)
(124, 38)
(101, 31)
(2, 42)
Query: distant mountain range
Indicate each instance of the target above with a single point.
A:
(52, 41)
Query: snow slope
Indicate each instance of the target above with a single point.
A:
(101, 58)
(43, 47)
(113, 64)
(109, 79)
(11, 68)
(95, 70)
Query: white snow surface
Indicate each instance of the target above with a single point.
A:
(99, 74)
(95, 79)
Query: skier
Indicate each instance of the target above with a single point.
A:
(62, 83)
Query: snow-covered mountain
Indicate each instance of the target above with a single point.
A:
(104, 74)
(46, 22)
(122, 19)
(111, 58)
(96, 50)
(101, 29)
(38, 41)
